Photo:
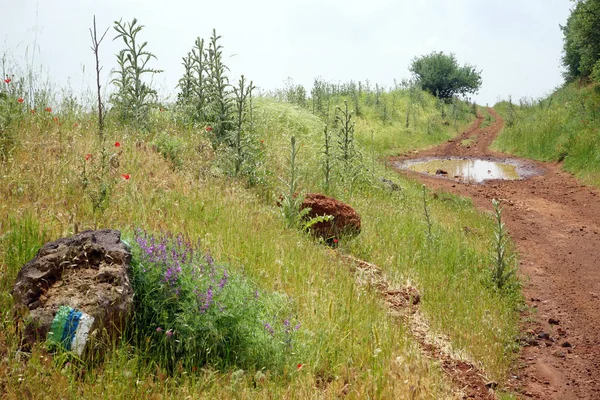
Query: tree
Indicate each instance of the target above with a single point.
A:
(441, 75)
(581, 45)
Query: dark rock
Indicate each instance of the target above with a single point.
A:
(441, 172)
(491, 385)
(346, 220)
(87, 272)
(544, 336)
(553, 321)
(566, 344)
(391, 185)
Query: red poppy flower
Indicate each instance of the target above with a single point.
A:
(32, 111)
(88, 156)
(335, 240)
(7, 80)
(20, 100)
(75, 125)
(125, 176)
(300, 366)
(117, 144)
(55, 119)
(262, 141)
(209, 128)
(48, 109)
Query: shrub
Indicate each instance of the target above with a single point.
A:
(190, 312)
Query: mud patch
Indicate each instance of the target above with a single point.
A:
(470, 169)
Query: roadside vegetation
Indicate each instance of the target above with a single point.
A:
(564, 127)
(212, 167)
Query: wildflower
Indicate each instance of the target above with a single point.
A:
(297, 326)
(209, 128)
(335, 240)
(88, 156)
(262, 141)
(117, 144)
(75, 125)
(299, 366)
(32, 111)
(48, 109)
(7, 80)
(20, 100)
(169, 333)
(159, 329)
(55, 119)
(125, 176)
(269, 329)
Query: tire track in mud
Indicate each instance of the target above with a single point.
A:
(555, 222)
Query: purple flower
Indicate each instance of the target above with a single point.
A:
(269, 329)
(169, 333)
(159, 329)
(223, 281)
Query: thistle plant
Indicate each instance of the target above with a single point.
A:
(502, 260)
(345, 140)
(290, 202)
(220, 103)
(134, 96)
(427, 215)
(241, 142)
(194, 83)
(327, 159)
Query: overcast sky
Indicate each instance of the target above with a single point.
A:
(516, 43)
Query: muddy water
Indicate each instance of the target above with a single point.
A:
(471, 170)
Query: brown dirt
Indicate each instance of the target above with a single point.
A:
(555, 222)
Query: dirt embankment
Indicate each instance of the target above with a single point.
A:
(555, 222)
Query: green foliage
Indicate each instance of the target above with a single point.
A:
(441, 75)
(581, 46)
(190, 312)
(133, 97)
(220, 103)
(243, 147)
(503, 269)
(171, 148)
(290, 201)
(563, 127)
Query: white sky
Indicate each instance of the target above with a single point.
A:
(517, 43)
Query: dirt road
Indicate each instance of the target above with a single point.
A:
(555, 223)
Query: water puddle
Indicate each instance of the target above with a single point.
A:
(470, 170)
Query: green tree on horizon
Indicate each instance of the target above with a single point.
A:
(441, 75)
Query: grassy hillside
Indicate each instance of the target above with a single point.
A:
(563, 127)
(58, 177)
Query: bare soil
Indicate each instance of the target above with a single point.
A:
(554, 221)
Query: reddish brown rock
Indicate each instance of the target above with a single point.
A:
(346, 220)
(88, 272)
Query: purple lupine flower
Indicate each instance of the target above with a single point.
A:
(269, 329)
(297, 326)
(223, 281)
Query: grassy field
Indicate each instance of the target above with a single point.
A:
(562, 127)
(170, 179)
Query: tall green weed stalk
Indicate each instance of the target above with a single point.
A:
(502, 260)
(134, 96)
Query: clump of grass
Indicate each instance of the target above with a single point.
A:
(191, 312)
(564, 127)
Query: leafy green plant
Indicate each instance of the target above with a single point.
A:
(242, 143)
(171, 148)
(134, 96)
(220, 103)
(191, 312)
(327, 159)
(193, 85)
(502, 260)
(290, 201)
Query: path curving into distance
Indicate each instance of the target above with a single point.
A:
(555, 222)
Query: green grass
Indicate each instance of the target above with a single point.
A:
(348, 342)
(563, 127)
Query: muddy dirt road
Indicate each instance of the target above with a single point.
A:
(555, 222)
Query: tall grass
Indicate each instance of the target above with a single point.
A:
(562, 127)
(347, 342)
